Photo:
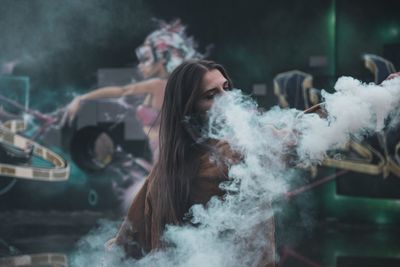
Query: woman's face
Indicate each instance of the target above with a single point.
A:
(212, 85)
(148, 66)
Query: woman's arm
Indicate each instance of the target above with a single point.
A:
(145, 87)
(393, 75)
(133, 234)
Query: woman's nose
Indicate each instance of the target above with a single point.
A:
(222, 90)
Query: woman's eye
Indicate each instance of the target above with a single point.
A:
(210, 96)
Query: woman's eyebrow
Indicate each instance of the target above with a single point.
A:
(209, 90)
(214, 88)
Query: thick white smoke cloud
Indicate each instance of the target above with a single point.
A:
(233, 231)
(355, 108)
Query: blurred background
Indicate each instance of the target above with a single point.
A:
(280, 52)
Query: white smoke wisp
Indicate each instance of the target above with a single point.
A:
(234, 231)
(91, 250)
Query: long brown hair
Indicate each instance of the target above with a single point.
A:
(178, 162)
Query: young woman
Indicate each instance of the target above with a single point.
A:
(184, 174)
(162, 51)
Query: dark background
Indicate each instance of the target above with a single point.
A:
(61, 44)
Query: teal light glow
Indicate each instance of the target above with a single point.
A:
(394, 31)
(332, 33)
(389, 33)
